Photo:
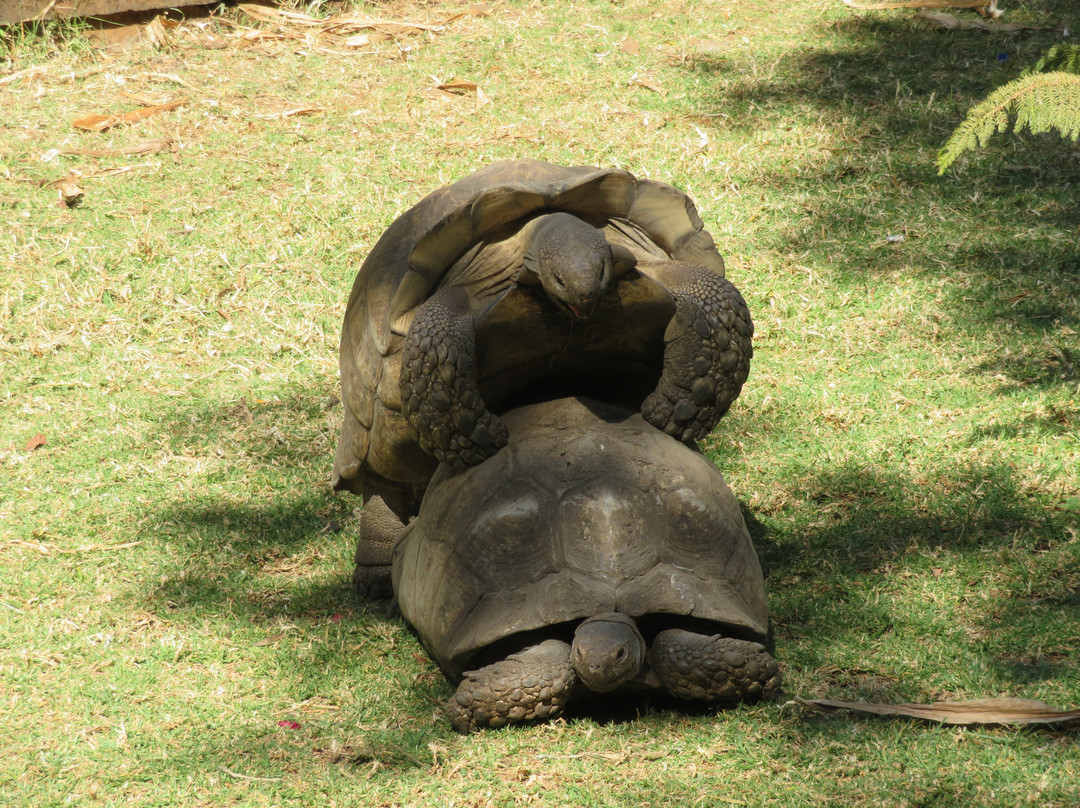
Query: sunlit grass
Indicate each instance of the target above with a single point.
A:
(175, 568)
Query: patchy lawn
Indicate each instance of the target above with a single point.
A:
(178, 626)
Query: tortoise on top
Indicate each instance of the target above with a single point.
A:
(593, 554)
(523, 279)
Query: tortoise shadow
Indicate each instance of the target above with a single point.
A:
(850, 528)
(243, 531)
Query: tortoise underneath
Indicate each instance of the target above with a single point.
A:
(593, 554)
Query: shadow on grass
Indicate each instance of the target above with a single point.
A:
(262, 535)
(242, 559)
(294, 427)
(998, 232)
(848, 534)
(992, 247)
(999, 569)
(263, 551)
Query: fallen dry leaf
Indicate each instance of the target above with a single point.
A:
(98, 548)
(367, 38)
(255, 35)
(23, 74)
(155, 32)
(650, 85)
(71, 195)
(475, 10)
(977, 711)
(146, 147)
(440, 95)
(289, 113)
(949, 21)
(279, 15)
(35, 442)
(396, 26)
(344, 21)
(99, 123)
(919, 4)
(630, 46)
(143, 100)
(458, 86)
(707, 47)
(158, 31)
(245, 411)
(76, 174)
(273, 638)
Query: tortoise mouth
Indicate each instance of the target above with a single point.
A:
(581, 312)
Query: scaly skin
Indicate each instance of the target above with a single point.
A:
(707, 355)
(531, 685)
(706, 361)
(576, 267)
(715, 669)
(439, 394)
(608, 651)
(380, 529)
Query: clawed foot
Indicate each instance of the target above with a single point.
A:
(715, 669)
(380, 529)
(532, 685)
(706, 356)
(439, 394)
(372, 583)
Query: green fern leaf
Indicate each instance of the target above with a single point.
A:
(1063, 57)
(1041, 102)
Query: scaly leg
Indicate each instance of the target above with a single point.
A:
(439, 393)
(717, 669)
(531, 685)
(707, 352)
(380, 529)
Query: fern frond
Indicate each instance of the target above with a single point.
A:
(1041, 102)
(1063, 57)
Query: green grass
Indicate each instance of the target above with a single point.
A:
(175, 568)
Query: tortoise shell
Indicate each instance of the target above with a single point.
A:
(587, 510)
(517, 339)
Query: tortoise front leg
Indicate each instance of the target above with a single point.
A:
(715, 669)
(439, 393)
(531, 685)
(706, 355)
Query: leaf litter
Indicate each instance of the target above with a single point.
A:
(353, 28)
(146, 147)
(94, 122)
(1004, 711)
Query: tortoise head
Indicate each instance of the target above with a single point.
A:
(574, 263)
(608, 650)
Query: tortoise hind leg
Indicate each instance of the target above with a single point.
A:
(716, 669)
(380, 529)
(530, 685)
(439, 393)
(706, 354)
